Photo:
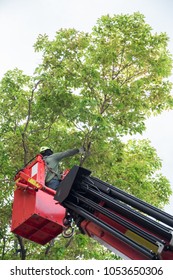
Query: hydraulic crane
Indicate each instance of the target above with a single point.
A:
(126, 225)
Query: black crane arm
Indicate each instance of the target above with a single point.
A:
(125, 224)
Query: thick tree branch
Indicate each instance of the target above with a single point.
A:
(24, 134)
(22, 249)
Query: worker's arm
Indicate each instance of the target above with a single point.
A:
(68, 153)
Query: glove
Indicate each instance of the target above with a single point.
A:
(82, 150)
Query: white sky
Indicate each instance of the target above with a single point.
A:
(21, 21)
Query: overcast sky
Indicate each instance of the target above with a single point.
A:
(21, 21)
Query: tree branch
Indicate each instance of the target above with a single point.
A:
(22, 247)
(50, 245)
(27, 122)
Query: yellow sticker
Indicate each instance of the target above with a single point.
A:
(142, 241)
(34, 182)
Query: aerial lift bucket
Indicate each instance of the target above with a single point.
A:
(35, 214)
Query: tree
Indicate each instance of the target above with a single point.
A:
(91, 89)
(114, 77)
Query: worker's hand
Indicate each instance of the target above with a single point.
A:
(82, 150)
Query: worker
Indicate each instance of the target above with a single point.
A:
(52, 160)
